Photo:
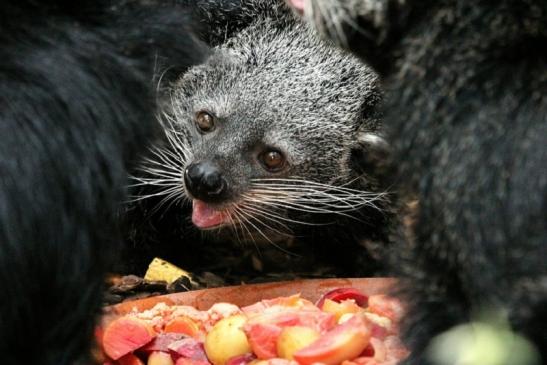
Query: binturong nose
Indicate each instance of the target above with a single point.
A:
(205, 181)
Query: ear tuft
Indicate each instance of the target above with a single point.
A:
(372, 139)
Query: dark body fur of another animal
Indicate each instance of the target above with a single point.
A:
(273, 84)
(466, 112)
(77, 104)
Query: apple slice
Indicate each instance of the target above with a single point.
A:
(345, 342)
(226, 340)
(125, 335)
(292, 339)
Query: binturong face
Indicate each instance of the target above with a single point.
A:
(261, 136)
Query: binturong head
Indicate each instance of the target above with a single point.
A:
(274, 132)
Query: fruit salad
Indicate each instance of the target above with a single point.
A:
(344, 327)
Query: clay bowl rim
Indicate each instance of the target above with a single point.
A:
(245, 294)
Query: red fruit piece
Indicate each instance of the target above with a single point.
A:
(285, 317)
(263, 339)
(241, 359)
(125, 335)
(342, 294)
(368, 351)
(345, 342)
(162, 342)
(188, 348)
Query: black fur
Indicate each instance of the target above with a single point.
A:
(77, 104)
(466, 110)
(221, 19)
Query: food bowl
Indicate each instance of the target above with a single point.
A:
(247, 294)
(252, 327)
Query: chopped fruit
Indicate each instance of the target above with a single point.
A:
(379, 349)
(386, 307)
(161, 270)
(160, 358)
(380, 326)
(345, 342)
(226, 340)
(341, 294)
(125, 335)
(286, 316)
(293, 301)
(263, 339)
(185, 361)
(162, 342)
(292, 339)
(188, 348)
(183, 325)
(130, 359)
(281, 331)
(241, 359)
(338, 309)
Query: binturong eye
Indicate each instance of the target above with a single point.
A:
(273, 160)
(205, 121)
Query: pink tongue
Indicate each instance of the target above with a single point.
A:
(297, 5)
(204, 216)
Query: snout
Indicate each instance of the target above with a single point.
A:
(205, 182)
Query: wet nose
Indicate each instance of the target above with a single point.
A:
(204, 181)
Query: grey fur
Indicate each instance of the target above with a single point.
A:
(275, 84)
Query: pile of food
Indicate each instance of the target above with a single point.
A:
(343, 327)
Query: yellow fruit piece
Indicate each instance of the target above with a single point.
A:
(161, 270)
(159, 358)
(292, 339)
(226, 340)
(339, 309)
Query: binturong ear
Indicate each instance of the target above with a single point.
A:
(371, 156)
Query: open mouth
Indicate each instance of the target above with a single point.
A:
(204, 216)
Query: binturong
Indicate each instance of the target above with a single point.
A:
(276, 138)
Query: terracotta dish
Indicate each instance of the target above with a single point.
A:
(243, 295)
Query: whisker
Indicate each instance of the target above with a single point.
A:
(251, 217)
(147, 196)
(242, 221)
(263, 213)
(259, 221)
(233, 225)
(288, 220)
(169, 198)
(298, 206)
